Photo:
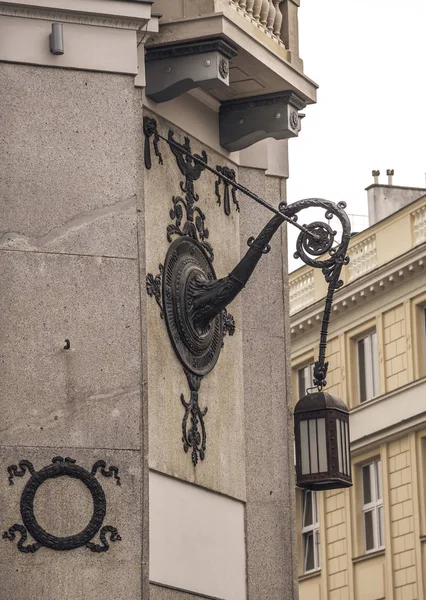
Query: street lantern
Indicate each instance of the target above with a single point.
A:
(193, 303)
(321, 428)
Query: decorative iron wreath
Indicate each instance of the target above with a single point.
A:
(61, 467)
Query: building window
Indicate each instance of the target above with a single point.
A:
(305, 378)
(368, 367)
(310, 532)
(373, 506)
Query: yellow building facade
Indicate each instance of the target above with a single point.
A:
(368, 542)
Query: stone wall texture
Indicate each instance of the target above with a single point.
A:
(71, 183)
(82, 224)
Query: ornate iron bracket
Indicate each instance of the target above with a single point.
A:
(230, 174)
(194, 301)
(61, 467)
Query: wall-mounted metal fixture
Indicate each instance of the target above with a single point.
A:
(56, 39)
(194, 302)
(172, 69)
(248, 120)
(62, 467)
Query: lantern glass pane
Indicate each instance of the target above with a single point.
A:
(322, 446)
(339, 444)
(344, 448)
(347, 450)
(313, 445)
(304, 443)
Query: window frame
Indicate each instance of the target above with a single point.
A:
(311, 530)
(375, 506)
(298, 363)
(368, 378)
(418, 315)
(309, 365)
(351, 340)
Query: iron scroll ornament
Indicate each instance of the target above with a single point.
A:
(61, 467)
(196, 301)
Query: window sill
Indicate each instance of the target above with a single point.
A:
(309, 575)
(363, 557)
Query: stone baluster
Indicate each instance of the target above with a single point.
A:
(243, 5)
(271, 16)
(249, 7)
(278, 18)
(264, 12)
(419, 223)
(257, 7)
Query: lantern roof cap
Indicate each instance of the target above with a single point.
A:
(320, 401)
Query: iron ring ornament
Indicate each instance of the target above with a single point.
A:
(194, 302)
(62, 467)
(197, 347)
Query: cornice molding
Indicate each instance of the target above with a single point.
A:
(165, 51)
(68, 16)
(287, 97)
(376, 282)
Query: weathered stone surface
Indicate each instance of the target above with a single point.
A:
(268, 418)
(70, 153)
(109, 581)
(263, 297)
(162, 593)
(88, 395)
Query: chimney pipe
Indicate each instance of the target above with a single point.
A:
(390, 174)
(376, 176)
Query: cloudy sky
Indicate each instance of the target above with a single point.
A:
(369, 58)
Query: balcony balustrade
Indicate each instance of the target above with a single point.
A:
(375, 248)
(302, 292)
(264, 14)
(363, 257)
(264, 34)
(419, 225)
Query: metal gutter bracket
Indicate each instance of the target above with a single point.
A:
(173, 69)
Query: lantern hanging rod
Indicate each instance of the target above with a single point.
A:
(197, 159)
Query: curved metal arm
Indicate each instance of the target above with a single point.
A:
(208, 298)
(308, 247)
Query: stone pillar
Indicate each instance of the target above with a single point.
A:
(290, 30)
(71, 187)
(271, 547)
(72, 441)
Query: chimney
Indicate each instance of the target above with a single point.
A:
(384, 200)
(376, 175)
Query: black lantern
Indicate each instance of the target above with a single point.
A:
(321, 428)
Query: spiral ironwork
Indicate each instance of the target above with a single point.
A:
(318, 240)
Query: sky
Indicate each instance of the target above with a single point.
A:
(369, 59)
